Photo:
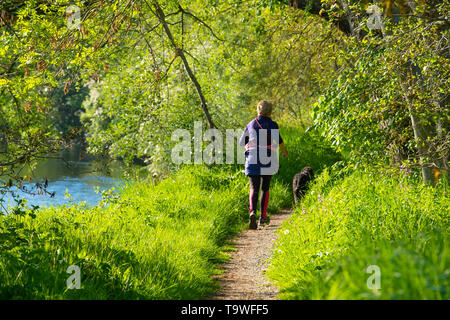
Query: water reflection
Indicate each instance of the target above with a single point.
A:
(74, 173)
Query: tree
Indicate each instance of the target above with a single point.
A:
(392, 79)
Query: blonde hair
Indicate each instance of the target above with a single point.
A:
(264, 108)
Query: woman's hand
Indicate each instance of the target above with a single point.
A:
(284, 152)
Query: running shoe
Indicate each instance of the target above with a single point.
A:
(265, 220)
(253, 224)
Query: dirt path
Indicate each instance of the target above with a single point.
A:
(244, 276)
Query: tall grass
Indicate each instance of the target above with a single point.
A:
(343, 226)
(143, 242)
(305, 149)
(149, 242)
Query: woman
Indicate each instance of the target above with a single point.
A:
(261, 138)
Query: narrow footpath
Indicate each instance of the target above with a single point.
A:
(244, 274)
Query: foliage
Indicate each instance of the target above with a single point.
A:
(390, 104)
(305, 149)
(279, 54)
(148, 66)
(38, 60)
(239, 51)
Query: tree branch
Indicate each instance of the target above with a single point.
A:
(162, 18)
(201, 22)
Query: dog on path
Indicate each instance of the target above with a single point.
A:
(300, 183)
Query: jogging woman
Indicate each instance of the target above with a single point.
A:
(261, 139)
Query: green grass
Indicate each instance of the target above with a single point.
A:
(144, 242)
(345, 225)
(305, 149)
(166, 241)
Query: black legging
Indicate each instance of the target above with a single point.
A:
(255, 183)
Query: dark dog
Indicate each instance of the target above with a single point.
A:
(300, 183)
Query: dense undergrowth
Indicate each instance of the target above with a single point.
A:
(348, 230)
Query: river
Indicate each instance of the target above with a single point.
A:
(70, 173)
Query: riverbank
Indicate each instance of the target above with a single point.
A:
(167, 241)
(145, 241)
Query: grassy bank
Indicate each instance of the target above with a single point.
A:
(345, 225)
(144, 242)
(150, 242)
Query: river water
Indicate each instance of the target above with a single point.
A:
(71, 173)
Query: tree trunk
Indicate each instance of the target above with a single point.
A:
(162, 18)
(349, 17)
(421, 137)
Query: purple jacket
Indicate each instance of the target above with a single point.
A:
(261, 138)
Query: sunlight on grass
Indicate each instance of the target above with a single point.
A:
(344, 226)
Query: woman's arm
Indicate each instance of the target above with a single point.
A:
(284, 152)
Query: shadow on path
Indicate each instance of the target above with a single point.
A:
(244, 274)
